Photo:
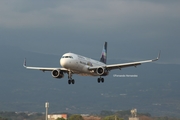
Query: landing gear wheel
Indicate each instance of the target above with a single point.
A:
(99, 80)
(69, 81)
(102, 80)
(72, 81)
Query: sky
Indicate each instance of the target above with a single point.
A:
(134, 29)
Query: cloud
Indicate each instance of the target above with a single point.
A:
(134, 26)
(27, 14)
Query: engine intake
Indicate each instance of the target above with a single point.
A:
(57, 74)
(102, 71)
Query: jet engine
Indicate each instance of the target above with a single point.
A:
(102, 71)
(57, 74)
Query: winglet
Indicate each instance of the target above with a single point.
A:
(157, 56)
(24, 64)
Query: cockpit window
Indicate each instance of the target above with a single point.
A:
(67, 57)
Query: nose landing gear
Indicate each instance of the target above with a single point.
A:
(70, 81)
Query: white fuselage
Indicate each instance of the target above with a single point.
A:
(79, 64)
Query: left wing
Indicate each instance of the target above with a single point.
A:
(43, 68)
(123, 65)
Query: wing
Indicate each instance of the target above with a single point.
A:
(123, 65)
(43, 68)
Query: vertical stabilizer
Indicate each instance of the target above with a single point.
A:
(104, 53)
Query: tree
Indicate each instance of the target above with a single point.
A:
(112, 117)
(76, 117)
(60, 119)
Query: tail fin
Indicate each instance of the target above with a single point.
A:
(104, 53)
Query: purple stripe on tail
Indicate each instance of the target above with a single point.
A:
(104, 53)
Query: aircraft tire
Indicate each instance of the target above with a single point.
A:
(99, 80)
(102, 80)
(72, 81)
(69, 81)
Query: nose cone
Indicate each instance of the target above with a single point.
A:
(63, 62)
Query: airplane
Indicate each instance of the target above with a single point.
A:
(77, 64)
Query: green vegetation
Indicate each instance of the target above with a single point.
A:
(60, 119)
(76, 117)
(104, 115)
(165, 118)
(112, 117)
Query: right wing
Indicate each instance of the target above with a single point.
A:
(123, 65)
(43, 68)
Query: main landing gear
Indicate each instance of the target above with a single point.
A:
(70, 81)
(100, 80)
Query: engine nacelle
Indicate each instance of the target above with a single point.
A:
(102, 71)
(57, 74)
